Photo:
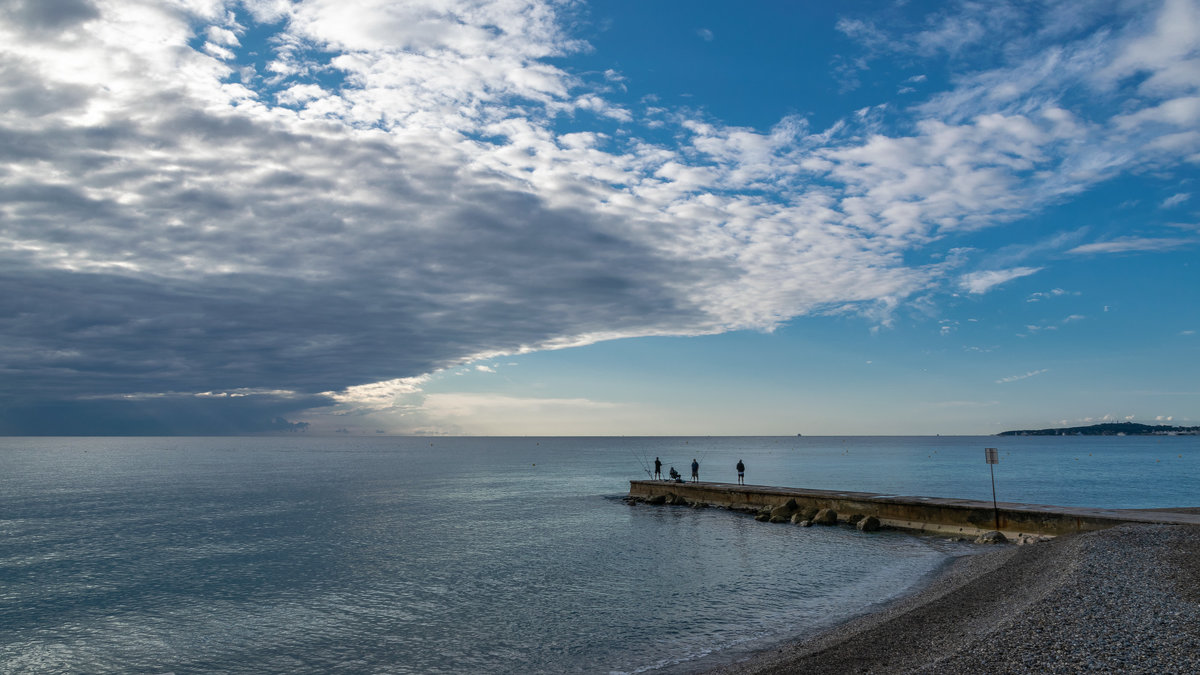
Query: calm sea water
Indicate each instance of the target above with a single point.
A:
(405, 555)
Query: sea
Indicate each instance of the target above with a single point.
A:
(299, 554)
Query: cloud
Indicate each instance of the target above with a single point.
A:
(327, 201)
(1176, 199)
(1052, 327)
(1130, 244)
(165, 415)
(982, 282)
(1016, 378)
(1052, 293)
(705, 34)
(1165, 51)
(49, 16)
(954, 31)
(497, 414)
(399, 392)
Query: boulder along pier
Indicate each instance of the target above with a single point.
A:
(956, 517)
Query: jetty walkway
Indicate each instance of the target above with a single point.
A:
(964, 517)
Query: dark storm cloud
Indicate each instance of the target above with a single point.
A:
(104, 333)
(22, 91)
(48, 15)
(153, 417)
(242, 263)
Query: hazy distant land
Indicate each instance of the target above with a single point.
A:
(1109, 429)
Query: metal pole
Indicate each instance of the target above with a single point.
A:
(995, 509)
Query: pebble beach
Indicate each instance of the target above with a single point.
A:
(1122, 600)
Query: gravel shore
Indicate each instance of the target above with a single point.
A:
(1121, 600)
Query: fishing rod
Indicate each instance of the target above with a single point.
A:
(646, 456)
(703, 456)
(642, 463)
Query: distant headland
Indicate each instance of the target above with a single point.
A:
(1110, 429)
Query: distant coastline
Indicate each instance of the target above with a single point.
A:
(1109, 429)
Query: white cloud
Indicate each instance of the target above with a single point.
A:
(1166, 51)
(1176, 199)
(863, 31)
(501, 415)
(955, 31)
(222, 36)
(982, 282)
(380, 395)
(1017, 378)
(218, 51)
(1052, 293)
(1130, 244)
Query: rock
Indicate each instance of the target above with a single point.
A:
(657, 500)
(868, 524)
(992, 537)
(797, 517)
(808, 513)
(853, 519)
(676, 500)
(1024, 539)
(785, 510)
(825, 517)
(779, 519)
(805, 523)
(762, 517)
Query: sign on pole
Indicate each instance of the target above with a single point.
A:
(993, 457)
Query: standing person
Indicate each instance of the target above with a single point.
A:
(695, 470)
(658, 468)
(741, 473)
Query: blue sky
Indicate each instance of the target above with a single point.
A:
(527, 217)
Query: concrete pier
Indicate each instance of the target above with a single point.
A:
(925, 514)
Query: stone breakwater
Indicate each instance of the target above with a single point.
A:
(1120, 600)
(942, 515)
(806, 516)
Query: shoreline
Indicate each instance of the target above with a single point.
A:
(1125, 599)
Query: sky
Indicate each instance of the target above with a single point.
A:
(531, 217)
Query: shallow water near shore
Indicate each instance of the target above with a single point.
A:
(410, 555)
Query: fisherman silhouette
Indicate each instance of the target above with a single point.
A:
(675, 477)
(658, 468)
(695, 470)
(741, 469)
